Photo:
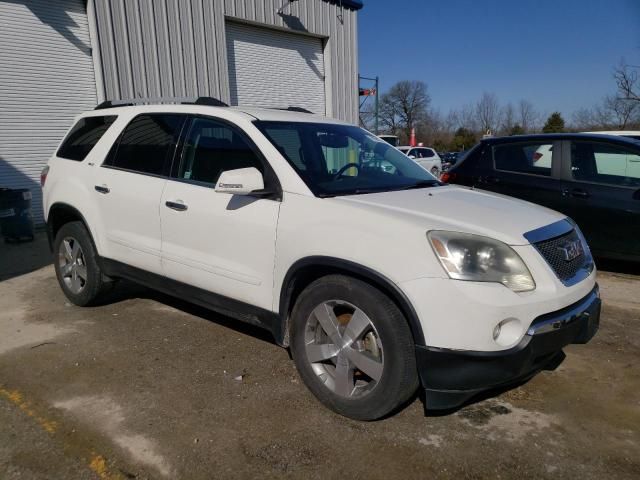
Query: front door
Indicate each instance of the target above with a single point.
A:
(218, 242)
(602, 191)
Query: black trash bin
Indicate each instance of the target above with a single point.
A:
(16, 219)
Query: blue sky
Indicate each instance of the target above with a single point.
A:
(559, 54)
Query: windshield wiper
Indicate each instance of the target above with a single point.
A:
(422, 184)
(360, 191)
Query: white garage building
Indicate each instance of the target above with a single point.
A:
(58, 58)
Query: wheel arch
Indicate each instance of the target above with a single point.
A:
(309, 269)
(61, 213)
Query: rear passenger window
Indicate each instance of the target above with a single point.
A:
(83, 137)
(426, 153)
(213, 147)
(147, 144)
(605, 163)
(530, 157)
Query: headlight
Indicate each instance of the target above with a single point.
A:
(480, 259)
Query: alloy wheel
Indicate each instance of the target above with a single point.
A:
(72, 265)
(344, 348)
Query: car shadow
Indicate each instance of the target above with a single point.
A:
(20, 258)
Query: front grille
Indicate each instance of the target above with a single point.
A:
(553, 251)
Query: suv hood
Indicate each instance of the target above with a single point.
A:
(464, 210)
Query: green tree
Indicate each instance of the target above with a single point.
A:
(554, 124)
(516, 130)
(463, 140)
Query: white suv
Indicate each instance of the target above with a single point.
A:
(426, 157)
(377, 276)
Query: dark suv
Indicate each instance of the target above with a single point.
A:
(594, 179)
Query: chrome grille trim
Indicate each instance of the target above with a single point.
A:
(549, 242)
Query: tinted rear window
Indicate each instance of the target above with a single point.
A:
(83, 137)
(533, 158)
(147, 144)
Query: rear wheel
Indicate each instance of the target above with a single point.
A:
(77, 269)
(435, 171)
(353, 348)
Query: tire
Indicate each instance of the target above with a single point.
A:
(435, 171)
(384, 348)
(74, 239)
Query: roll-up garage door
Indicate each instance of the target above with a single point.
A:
(272, 68)
(46, 79)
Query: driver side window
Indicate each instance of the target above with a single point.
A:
(605, 163)
(213, 147)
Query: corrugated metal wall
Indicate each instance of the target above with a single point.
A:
(46, 79)
(164, 48)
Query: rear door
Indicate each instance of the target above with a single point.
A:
(219, 242)
(129, 185)
(601, 187)
(529, 170)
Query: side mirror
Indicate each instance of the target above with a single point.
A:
(412, 157)
(242, 181)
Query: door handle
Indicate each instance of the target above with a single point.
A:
(178, 206)
(491, 179)
(576, 192)
(102, 189)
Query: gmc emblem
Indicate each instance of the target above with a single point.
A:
(571, 249)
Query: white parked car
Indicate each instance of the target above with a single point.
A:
(426, 157)
(378, 277)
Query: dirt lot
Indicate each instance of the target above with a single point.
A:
(148, 387)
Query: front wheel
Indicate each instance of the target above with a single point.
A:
(353, 348)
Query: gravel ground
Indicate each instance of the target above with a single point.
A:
(149, 387)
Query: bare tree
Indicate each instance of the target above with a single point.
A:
(488, 112)
(436, 130)
(389, 115)
(508, 118)
(626, 77)
(404, 106)
(620, 110)
(465, 118)
(613, 113)
(585, 119)
(527, 115)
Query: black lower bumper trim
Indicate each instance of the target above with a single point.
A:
(451, 377)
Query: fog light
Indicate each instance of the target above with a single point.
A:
(507, 332)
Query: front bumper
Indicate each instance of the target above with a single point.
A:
(451, 377)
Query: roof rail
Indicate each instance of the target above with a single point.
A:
(210, 101)
(295, 109)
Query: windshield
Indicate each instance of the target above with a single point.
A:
(343, 159)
